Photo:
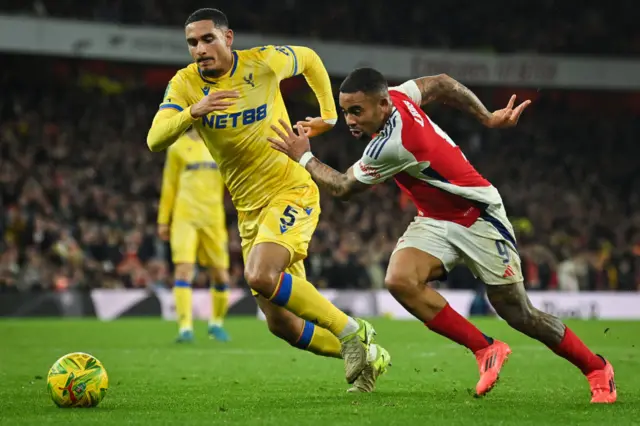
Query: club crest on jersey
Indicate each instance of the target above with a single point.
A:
(249, 80)
(205, 90)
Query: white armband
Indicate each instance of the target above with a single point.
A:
(306, 157)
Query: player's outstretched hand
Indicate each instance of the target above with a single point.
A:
(290, 143)
(314, 126)
(214, 101)
(507, 117)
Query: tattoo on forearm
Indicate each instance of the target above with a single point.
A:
(338, 184)
(452, 92)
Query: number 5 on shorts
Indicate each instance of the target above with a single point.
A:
(288, 213)
(503, 251)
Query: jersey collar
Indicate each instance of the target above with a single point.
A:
(393, 111)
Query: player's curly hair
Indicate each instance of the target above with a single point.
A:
(209, 14)
(366, 80)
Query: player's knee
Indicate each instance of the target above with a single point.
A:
(262, 280)
(184, 272)
(512, 304)
(219, 275)
(399, 282)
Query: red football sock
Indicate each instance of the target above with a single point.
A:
(452, 325)
(577, 353)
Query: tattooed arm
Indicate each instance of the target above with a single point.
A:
(442, 88)
(341, 185)
(364, 173)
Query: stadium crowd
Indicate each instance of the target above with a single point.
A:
(79, 191)
(546, 26)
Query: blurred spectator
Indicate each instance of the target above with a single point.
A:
(546, 26)
(79, 190)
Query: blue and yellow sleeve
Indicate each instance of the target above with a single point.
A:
(289, 61)
(173, 95)
(173, 117)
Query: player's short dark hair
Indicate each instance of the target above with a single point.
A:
(209, 14)
(366, 80)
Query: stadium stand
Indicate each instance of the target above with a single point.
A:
(79, 187)
(548, 26)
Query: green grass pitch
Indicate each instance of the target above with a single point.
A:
(258, 380)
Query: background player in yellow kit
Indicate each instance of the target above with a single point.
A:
(232, 97)
(191, 216)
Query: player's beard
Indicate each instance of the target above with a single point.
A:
(209, 72)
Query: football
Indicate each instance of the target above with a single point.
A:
(77, 380)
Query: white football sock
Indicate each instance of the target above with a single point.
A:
(351, 327)
(373, 353)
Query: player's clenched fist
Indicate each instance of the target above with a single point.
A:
(215, 101)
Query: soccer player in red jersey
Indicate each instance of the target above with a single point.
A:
(461, 217)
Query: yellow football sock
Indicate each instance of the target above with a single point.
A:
(219, 304)
(319, 341)
(301, 297)
(183, 295)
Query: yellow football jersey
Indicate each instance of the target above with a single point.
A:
(237, 138)
(192, 185)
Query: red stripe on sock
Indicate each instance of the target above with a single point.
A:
(577, 353)
(452, 325)
(277, 289)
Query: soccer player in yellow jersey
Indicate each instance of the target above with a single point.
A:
(191, 216)
(231, 97)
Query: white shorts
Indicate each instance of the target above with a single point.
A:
(488, 247)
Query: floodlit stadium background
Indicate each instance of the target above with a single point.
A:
(79, 188)
(80, 82)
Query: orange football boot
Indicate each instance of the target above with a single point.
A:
(490, 362)
(603, 385)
